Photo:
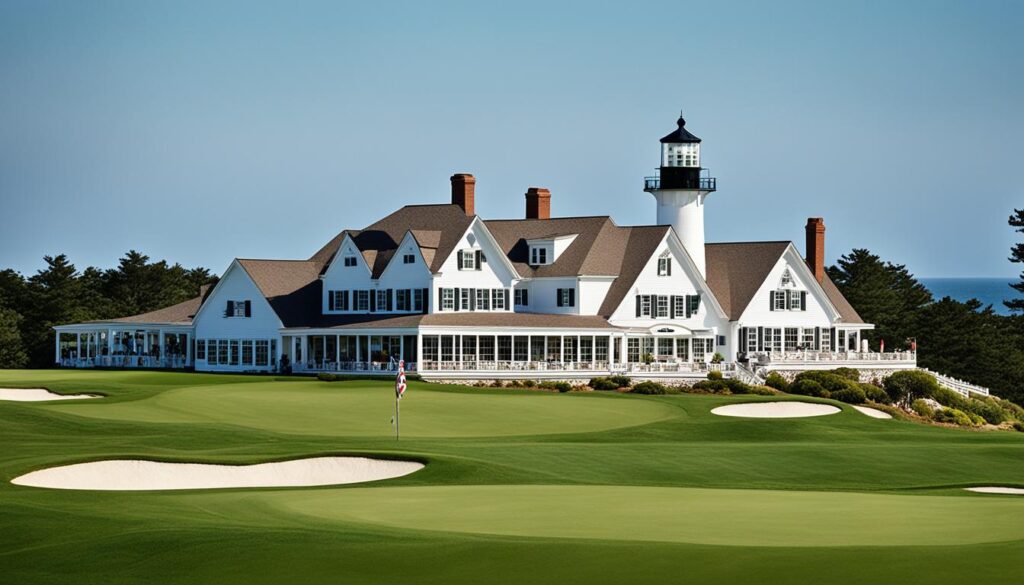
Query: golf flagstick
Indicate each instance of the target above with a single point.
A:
(399, 391)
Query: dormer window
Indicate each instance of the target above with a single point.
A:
(409, 259)
(350, 261)
(787, 279)
(665, 266)
(470, 259)
(538, 255)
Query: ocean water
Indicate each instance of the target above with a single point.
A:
(990, 291)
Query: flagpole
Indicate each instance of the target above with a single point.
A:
(397, 410)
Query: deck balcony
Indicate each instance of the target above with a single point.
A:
(696, 184)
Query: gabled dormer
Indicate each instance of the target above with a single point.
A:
(546, 250)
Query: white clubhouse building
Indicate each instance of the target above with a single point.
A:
(460, 297)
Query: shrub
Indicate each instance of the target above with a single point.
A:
(326, 377)
(602, 384)
(714, 386)
(1018, 426)
(620, 381)
(717, 358)
(777, 381)
(560, 386)
(715, 375)
(853, 395)
(829, 380)
(921, 407)
(907, 386)
(874, 393)
(762, 391)
(528, 383)
(737, 386)
(650, 388)
(953, 415)
(851, 374)
(808, 387)
(497, 384)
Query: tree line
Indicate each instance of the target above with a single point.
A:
(966, 340)
(60, 294)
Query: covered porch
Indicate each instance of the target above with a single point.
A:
(117, 345)
(366, 352)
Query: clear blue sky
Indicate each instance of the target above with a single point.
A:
(203, 131)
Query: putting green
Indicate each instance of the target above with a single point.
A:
(353, 409)
(680, 515)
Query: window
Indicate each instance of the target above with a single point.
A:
(234, 352)
(772, 339)
(505, 348)
(700, 348)
(382, 300)
(483, 299)
(683, 350)
(645, 306)
(247, 352)
(409, 259)
(466, 299)
(693, 303)
(498, 295)
(238, 308)
(787, 279)
(662, 306)
(664, 347)
(826, 340)
(340, 300)
(521, 297)
(665, 266)
(795, 301)
(841, 339)
(519, 348)
(807, 339)
(566, 297)
(222, 351)
(467, 260)
(791, 338)
(538, 255)
(600, 349)
(752, 339)
(430, 348)
(201, 349)
(417, 299)
(486, 348)
(633, 350)
(402, 299)
(262, 353)
(447, 299)
(780, 300)
(362, 298)
(350, 261)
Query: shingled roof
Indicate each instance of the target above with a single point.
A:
(436, 228)
(179, 314)
(594, 252)
(292, 287)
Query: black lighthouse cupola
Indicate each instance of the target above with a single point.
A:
(680, 190)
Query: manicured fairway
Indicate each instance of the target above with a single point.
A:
(519, 487)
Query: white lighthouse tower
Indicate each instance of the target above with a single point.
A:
(680, 190)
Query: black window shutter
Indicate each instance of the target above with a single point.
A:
(672, 307)
(637, 305)
(460, 260)
(558, 295)
(803, 300)
(440, 299)
(689, 306)
(507, 307)
(472, 299)
(771, 300)
(760, 339)
(390, 305)
(817, 338)
(373, 301)
(526, 297)
(426, 301)
(696, 302)
(248, 308)
(668, 267)
(479, 255)
(330, 300)
(572, 297)
(743, 339)
(230, 311)
(458, 299)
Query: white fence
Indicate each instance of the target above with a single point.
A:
(964, 388)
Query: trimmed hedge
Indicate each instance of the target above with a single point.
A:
(852, 395)
(652, 388)
(560, 386)
(609, 383)
(777, 381)
(715, 375)
(808, 387)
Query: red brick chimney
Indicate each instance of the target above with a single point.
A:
(816, 246)
(538, 203)
(463, 192)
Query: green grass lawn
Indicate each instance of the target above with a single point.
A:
(520, 487)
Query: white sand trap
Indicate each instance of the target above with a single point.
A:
(775, 410)
(872, 412)
(38, 395)
(134, 475)
(997, 490)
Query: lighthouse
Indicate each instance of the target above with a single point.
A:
(680, 190)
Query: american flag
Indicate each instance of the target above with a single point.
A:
(400, 380)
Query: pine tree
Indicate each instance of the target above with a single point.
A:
(1017, 256)
(12, 352)
(883, 293)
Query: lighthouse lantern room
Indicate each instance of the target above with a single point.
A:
(680, 190)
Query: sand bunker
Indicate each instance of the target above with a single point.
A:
(872, 412)
(134, 475)
(775, 410)
(997, 490)
(38, 395)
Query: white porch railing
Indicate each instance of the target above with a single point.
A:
(854, 357)
(353, 367)
(956, 385)
(126, 361)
